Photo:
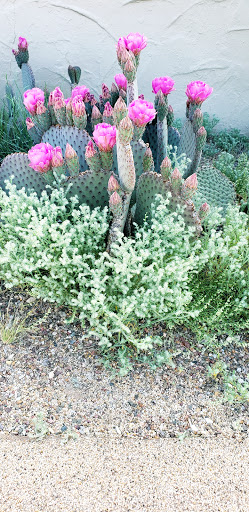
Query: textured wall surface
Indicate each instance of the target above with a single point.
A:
(187, 39)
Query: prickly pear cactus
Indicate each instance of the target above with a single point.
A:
(63, 135)
(17, 165)
(214, 188)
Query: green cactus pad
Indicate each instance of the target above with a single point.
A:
(187, 142)
(173, 137)
(17, 165)
(149, 185)
(78, 139)
(28, 78)
(90, 187)
(138, 149)
(214, 188)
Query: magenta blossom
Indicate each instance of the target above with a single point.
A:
(165, 83)
(22, 44)
(135, 42)
(40, 157)
(121, 81)
(81, 90)
(105, 136)
(31, 97)
(198, 91)
(141, 112)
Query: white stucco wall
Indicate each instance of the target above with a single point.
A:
(187, 39)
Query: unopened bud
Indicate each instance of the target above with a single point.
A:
(201, 138)
(29, 123)
(92, 157)
(40, 108)
(166, 168)
(96, 116)
(115, 203)
(125, 130)
(57, 159)
(176, 180)
(130, 70)
(105, 92)
(119, 111)
(113, 184)
(70, 152)
(108, 113)
(170, 116)
(189, 187)
(203, 211)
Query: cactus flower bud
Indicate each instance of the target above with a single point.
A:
(72, 160)
(96, 116)
(57, 158)
(108, 113)
(141, 97)
(147, 160)
(29, 123)
(70, 152)
(203, 211)
(40, 108)
(176, 180)
(105, 92)
(166, 168)
(119, 111)
(79, 112)
(130, 70)
(115, 203)
(201, 137)
(22, 54)
(125, 130)
(92, 157)
(189, 187)
(113, 184)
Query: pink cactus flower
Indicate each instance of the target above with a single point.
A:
(57, 158)
(40, 157)
(141, 112)
(22, 44)
(81, 90)
(198, 91)
(135, 42)
(121, 81)
(31, 97)
(105, 136)
(165, 83)
(67, 100)
(78, 106)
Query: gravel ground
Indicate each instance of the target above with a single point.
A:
(124, 475)
(52, 382)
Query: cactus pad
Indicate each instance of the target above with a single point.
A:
(187, 142)
(28, 78)
(61, 135)
(90, 187)
(17, 165)
(214, 188)
(149, 185)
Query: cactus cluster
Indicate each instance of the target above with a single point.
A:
(115, 149)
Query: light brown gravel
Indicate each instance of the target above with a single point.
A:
(124, 475)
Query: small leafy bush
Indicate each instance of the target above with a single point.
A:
(163, 274)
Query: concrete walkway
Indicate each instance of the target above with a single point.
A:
(124, 475)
